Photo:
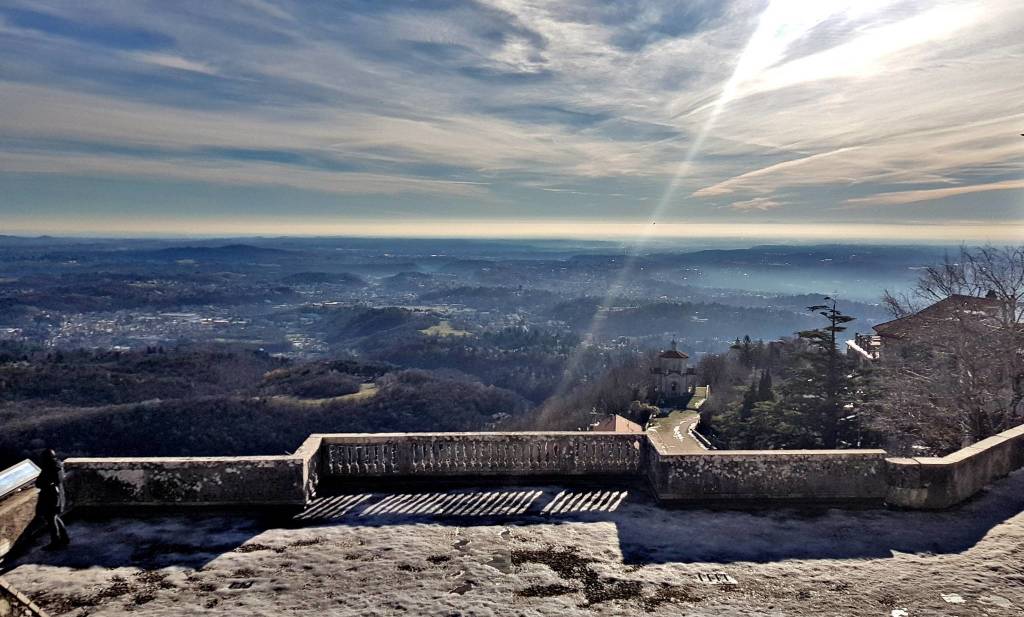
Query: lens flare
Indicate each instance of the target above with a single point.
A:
(778, 26)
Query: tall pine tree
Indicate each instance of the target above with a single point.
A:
(824, 389)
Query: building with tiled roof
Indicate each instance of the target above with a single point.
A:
(672, 378)
(617, 424)
(931, 322)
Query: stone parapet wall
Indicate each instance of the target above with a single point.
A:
(310, 454)
(17, 511)
(204, 481)
(19, 499)
(713, 476)
(940, 482)
(185, 481)
(483, 454)
(765, 476)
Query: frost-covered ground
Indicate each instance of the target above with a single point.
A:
(541, 551)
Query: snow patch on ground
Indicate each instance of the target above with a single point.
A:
(483, 552)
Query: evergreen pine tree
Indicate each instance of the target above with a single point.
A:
(823, 390)
(749, 399)
(764, 387)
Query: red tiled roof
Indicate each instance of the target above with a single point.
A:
(672, 353)
(618, 424)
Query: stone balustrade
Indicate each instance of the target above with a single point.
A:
(482, 454)
(807, 476)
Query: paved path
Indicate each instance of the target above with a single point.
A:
(671, 434)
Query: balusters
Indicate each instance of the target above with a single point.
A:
(357, 454)
(338, 460)
(420, 456)
(466, 454)
(413, 449)
(478, 456)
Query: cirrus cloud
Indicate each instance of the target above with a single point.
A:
(527, 107)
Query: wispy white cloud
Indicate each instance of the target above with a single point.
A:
(906, 197)
(172, 61)
(751, 180)
(237, 174)
(838, 101)
(757, 204)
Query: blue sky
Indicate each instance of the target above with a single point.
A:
(509, 116)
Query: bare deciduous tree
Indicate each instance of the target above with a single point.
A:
(962, 378)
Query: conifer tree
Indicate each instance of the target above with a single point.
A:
(824, 389)
(764, 387)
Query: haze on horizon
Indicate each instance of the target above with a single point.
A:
(870, 119)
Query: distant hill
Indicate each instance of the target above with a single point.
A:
(324, 278)
(492, 298)
(350, 325)
(219, 253)
(403, 279)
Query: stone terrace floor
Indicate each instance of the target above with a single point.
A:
(540, 551)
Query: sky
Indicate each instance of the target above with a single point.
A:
(894, 119)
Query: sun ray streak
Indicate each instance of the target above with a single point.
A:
(746, 65)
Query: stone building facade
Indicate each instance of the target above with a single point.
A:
(673, 379)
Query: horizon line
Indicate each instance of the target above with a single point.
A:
(482, 229)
